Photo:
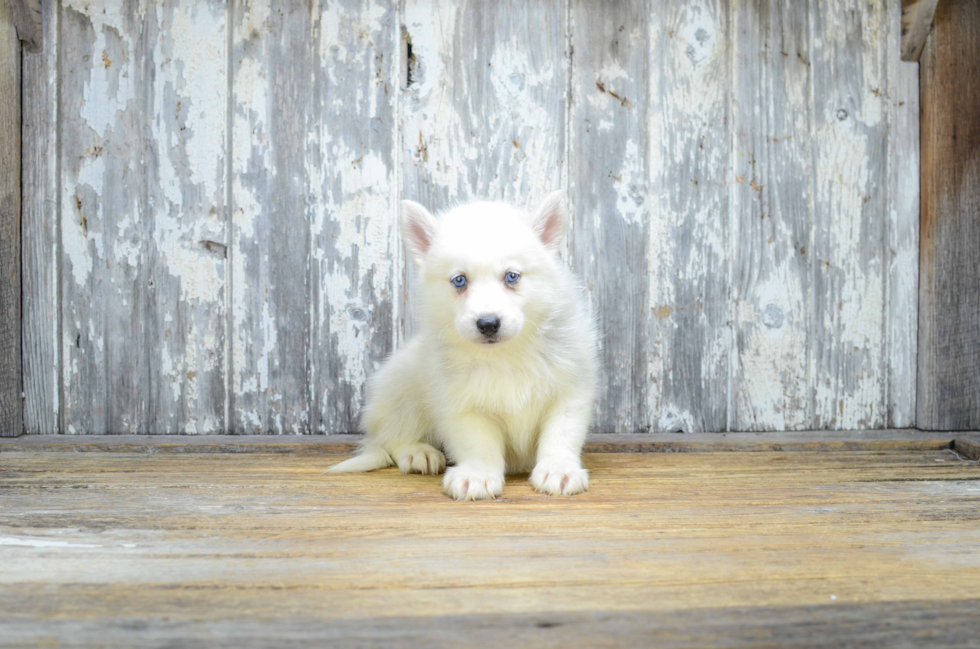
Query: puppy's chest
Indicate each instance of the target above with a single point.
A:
(505, 389)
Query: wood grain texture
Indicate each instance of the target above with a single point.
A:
(220, 185)
(773, 207)
(185, 238)
(690, 122)
(650, 160)
(103, 82)
(848, 259)
(27, 19)
(968, 448)
(903, 230)
(356, 272)
(11, 378)
(811, 185)
(916, 22)
(949, 261)
(609, 149)
(253, 547)
(40, 235)
(484, 114)
(273, 118)
(797, 441)
(903, 625)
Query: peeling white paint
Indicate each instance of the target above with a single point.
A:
(491, 122)
(110, 89)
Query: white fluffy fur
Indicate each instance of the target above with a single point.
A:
(521, 404)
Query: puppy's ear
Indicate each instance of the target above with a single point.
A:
(550, 219)
(418, 229)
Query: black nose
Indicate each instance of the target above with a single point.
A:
(488, 325)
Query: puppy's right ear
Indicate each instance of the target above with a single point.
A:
(418, 229)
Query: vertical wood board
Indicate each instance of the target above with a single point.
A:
(219, 183)
(355, 256)
(40, 234)
(609, 184)
(103, 230)
(949, 261)
(903, 229)
(11, 405)
(185, 237)
(272, 119)
(690, 223)
(773, 214)
(848, 261)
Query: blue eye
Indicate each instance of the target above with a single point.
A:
(459, 281)
(511, 277)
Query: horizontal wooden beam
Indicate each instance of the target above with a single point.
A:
(903, 439)
(916, 23)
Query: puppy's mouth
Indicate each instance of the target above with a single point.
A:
(491, 341)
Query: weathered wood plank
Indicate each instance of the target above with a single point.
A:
(968, 448)
(690, 220)
(773, 214)
(902, 225)
(483, 116)
(949, 262)
(103, 79)
(650, 164)
(610, 175)
(795, 442)
(11, 378)
(849, 264)
(242, 546)
(317, 291)
(896, 625)
(40, 235)
(916, 22)
(27, 19)
(271, 285)
(356, 274)
(185, 235)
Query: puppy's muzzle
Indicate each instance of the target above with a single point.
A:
(488, 325)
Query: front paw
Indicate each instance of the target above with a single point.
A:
(420, 458)
(559, 479)
(467, 482)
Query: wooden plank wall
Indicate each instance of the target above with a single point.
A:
(11, 408)
(949, 295)
(219, 183)
(40, 233)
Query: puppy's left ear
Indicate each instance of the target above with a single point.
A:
(551, 219)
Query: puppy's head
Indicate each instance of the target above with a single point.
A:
(487, 268)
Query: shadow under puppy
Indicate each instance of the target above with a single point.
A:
(502, 374)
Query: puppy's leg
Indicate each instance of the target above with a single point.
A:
(477, 445)
(558, 470)
(396, 424)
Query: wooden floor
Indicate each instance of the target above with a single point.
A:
(878, 547)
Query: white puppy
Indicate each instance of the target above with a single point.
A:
(502, 374)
